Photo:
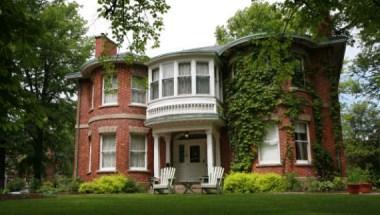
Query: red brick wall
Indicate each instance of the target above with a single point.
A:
(124, 76)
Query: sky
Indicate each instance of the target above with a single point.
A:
(188, 23)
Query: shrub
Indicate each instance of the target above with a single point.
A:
(48, 188)
(337, 184)
(292, 184)
(34, 185)
(357, 175)
(109, 184)
(16, 184)
(67, 184)
(253, 182)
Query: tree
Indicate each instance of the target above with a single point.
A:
(140, 19)
(48, 111)
(259, 17)
(17, 30)
(354, 19)
(361, 126)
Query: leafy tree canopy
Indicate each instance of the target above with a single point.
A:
(137, 21)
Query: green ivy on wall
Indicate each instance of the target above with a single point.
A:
(259, 85)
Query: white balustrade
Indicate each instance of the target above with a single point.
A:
(175, 106)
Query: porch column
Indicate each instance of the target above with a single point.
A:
(167, 145)
(210, 153)
(156, 155)
(217, 149)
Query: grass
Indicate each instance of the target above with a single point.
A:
(195, 204)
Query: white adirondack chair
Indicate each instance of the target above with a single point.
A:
(214, 180)
(166, 180)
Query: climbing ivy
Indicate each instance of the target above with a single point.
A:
(258, 86)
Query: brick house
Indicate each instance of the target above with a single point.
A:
(133, 130)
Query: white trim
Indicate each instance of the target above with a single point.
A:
(89, 156)
(145, 168)
(309, 159)
(92, 95)
(260, 162)
(106, 169)
(117, 94)
(131, 97)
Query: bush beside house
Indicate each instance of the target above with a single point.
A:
(110, 184)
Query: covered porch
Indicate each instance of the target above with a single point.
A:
(191, 149)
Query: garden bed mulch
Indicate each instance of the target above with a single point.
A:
(20, 196)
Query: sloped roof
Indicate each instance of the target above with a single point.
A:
(216, 50)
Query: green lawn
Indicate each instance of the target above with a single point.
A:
(238, 204)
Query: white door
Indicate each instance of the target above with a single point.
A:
(189, 158)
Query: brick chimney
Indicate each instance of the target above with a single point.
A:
(104, 46)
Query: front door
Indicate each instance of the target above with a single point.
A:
(189, 159)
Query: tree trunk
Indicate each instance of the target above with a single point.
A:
(38, 155)
(2, 167)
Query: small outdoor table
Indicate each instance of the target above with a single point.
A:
(189, 185)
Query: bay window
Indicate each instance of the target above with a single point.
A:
(202, 78)
(137, 152)
(269, 152)
(110, 89)
(154, 84)
(184, 78)
(108, 152)
(167, 79)
(301, 140)
(138, 90)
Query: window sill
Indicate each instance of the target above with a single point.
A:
(303, 163)
(269, 165)
(106, 171)
(137, 105)
(109, 105)
(139, 170)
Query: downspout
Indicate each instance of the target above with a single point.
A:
(77, 132)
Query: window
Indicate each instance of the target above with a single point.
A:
(89, 155)
(203, 78)
(92, 95)
(108, 152)
(167, 79)
(184, 78)
(302, 142)
(110, 88)
(195, 154)
(299, 74)
(154, 84)
(269, 149)
(137, 152)
(138, 90)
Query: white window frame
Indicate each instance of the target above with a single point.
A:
(308, 161)
(178, 76)
(145, 168)
(162, 79)
(210, 70)
(101, 168)
(117, 93)
(261, 162)
(92, 95)
(157, 68)
(89, 156)
(132, 89)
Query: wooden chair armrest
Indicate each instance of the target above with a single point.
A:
(154, 180)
